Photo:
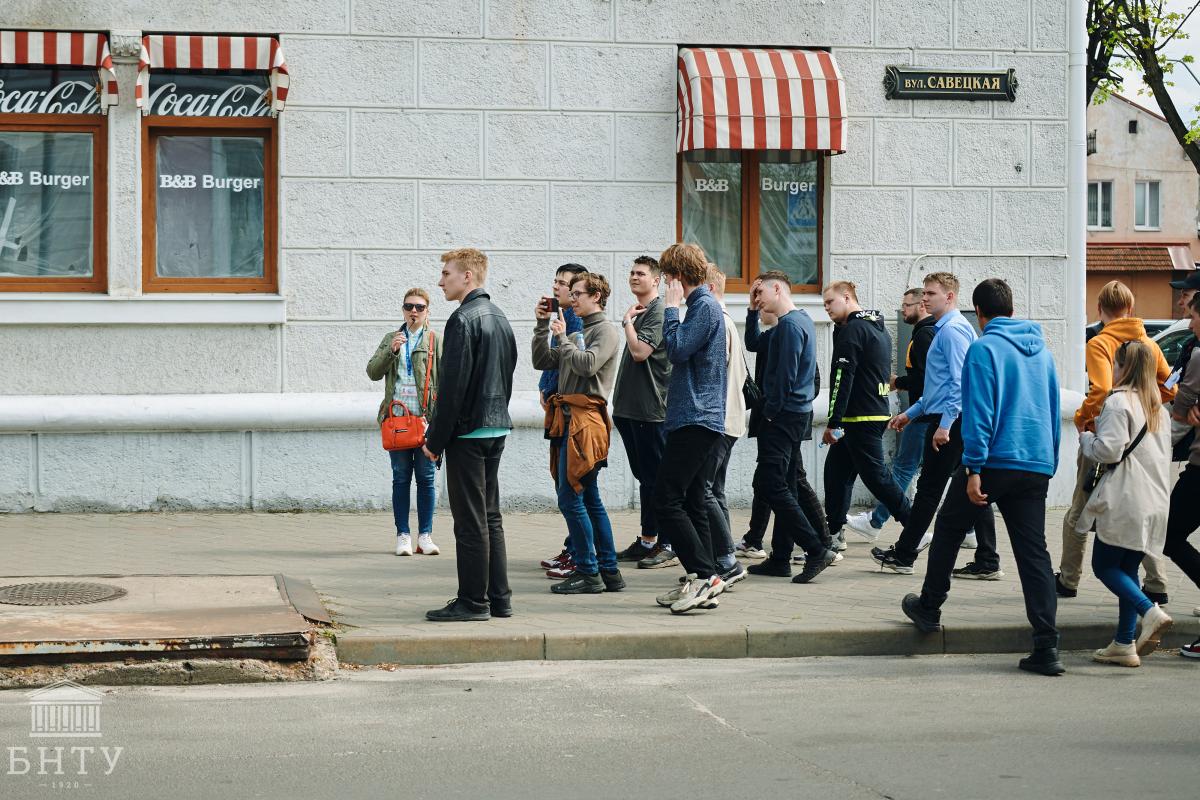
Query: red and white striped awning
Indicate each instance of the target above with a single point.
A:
(164, 51)
(756, 99)
(63, 49)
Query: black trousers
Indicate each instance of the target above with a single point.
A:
(473, 487)
(859, 454)
(679, 506)
(936, 468)
(1021, 498)
(1183, 521)
(810, 504)
(714, 498)
(644, 442)
(775, 481)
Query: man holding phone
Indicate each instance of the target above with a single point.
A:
(560, 566)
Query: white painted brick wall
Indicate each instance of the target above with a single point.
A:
(557, 145)
(421, 144)
(323, 213)
(544, 132)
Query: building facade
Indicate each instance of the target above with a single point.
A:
(1143, 199)
(200, 340)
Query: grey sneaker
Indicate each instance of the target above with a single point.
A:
(839, 542)
(658, 557)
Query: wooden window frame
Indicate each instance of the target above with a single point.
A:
(751, 244)
(97, 125)
(266, 128)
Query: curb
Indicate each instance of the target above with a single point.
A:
(746, 642)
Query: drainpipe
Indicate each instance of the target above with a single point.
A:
(1075, 289)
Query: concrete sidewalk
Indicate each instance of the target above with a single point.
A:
(380, 600)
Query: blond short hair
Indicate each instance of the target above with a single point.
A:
(686, 262)
(1115, 298)
(469, 260)
(417, 291)
(715, 277)
(946, 280)
(843, 287)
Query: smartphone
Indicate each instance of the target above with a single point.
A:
(550, 304)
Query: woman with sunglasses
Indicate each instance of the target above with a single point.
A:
(402, 358)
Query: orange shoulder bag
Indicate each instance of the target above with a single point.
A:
(407, 431)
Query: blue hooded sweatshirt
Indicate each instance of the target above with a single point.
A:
(1010, 415)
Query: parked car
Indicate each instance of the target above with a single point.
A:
(1172, 339)
(1153, 327)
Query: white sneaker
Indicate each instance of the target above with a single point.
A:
(861, 524)
(925, 542)
(425, 545)
(698, 593)
(742, 550)
(404, 545)
(970, 542)
(836, 558)
(1196, 611)
(839, 542)
(1155, 623)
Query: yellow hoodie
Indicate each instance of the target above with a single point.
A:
(1102, 352)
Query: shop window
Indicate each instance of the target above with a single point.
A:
(1145, 205)
(1099, 205)
(53, 186)
(210, 184)
(753, 211)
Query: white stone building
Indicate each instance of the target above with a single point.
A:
(224, 369)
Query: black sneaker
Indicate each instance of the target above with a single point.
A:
(578, 583)
(927, 620)
(815, 565)
(978, 572)
(457, 611)
(890, 561)
(732, 575)
(613, 582)
(658, 557)
(1043, 661)
(1155, 597)
(878, 553)
(635, 552)
(502, 609)
(771, 567)
(1062, 589)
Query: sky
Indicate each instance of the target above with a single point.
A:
(1186, 91)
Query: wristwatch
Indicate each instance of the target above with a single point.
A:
(625, 322)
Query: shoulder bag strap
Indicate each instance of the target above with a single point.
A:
(1136, 441)
(429, 373)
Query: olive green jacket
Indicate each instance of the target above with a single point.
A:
(384, 364)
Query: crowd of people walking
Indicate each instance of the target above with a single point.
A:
(981, 428)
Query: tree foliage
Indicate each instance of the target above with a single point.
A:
(1133, 35)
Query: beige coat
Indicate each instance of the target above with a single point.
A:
(1129, 506)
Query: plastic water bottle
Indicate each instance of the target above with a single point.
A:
(838, 433)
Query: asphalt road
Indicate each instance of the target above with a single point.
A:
(922, 727)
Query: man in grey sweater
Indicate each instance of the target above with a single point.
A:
(587, 366)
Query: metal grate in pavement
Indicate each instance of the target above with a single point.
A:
(58, 593)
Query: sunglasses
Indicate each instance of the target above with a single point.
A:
(415, 306)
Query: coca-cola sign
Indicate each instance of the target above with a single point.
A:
(53, 90)
(195, 94)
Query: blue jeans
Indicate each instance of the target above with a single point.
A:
(588, 527)
(904, 465)
(404, 464)
(1117, 568)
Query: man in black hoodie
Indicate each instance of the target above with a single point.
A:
(859, 383)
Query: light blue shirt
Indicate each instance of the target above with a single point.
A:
(943, 369)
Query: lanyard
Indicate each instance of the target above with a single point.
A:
(408, 346)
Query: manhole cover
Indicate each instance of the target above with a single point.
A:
(59, 593)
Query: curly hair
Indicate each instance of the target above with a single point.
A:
(686, 262)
